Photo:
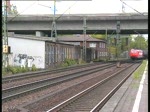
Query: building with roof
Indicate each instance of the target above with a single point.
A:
(28, 50)
(45, 52)
(99, 46)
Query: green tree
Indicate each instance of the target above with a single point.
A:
(98, 36)
(139, 43)
(125, 42)
(13, 10)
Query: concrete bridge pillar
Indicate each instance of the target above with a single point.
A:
(39, 34)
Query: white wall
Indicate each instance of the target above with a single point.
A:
(33, 48)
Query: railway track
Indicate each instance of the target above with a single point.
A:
(29, 75)
(93, 98)
(17, 91)
(45, 75)
(12, 78)
(31, 106)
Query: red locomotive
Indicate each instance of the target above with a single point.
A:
(138, 54)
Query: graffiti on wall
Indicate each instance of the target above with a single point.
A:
(24, 60)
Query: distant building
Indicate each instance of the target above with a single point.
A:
(100, 46)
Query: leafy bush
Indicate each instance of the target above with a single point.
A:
(33, 68)
(4, 71)
(82, 62)
(24, 69)
(64, 65)
(69, 62)
(9, 68)
(14, 70)
(17, 69)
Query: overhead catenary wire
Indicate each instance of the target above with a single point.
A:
(132, 8)
(44, 5)
(21, 12)
(54, 31)
(62, 13)
(66, 10)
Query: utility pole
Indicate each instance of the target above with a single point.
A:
(84, 39)
(5, 36)
(117, 38)
(54, 30)
(107, 39)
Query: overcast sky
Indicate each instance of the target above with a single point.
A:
(80, 7)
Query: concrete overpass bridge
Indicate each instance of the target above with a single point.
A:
(130, 23)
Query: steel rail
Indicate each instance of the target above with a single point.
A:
(111, 93)
(46, 72)
(39, 73)
(79, 95)
(21, 90)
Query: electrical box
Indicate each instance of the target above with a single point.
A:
(5, 48)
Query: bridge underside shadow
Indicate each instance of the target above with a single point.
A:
(62, 32)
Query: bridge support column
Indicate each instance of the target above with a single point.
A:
(39, 34)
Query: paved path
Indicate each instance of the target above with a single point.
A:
(131, 97)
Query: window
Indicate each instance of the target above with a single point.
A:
(92, 44)
(100, 45)
(104, 45)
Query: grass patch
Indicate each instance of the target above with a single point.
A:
(138, 73)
